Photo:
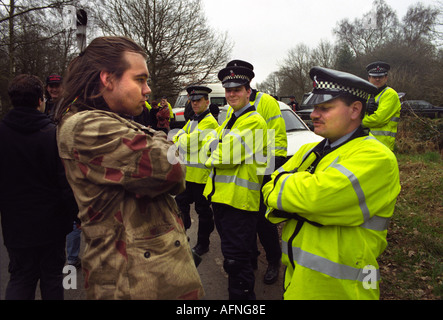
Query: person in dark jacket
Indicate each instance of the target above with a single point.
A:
(36, 202)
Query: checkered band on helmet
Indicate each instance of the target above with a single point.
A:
(325, 85)
(236, 77)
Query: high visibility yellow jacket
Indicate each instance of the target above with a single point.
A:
(189, 141)
(269, 109)
(384, 121)
(331, 245)
(238, 162)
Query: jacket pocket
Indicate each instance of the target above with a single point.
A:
(162, 267)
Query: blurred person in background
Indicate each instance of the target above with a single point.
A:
(36, 203)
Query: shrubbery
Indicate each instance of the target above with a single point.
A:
(418, 135)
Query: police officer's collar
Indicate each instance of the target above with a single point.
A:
(340, 141)
(243, 110)
(357, 133)
(381, 89)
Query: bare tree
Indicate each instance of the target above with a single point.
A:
(419, 23)
(438, 30)
(295, 69)
(19, 8)
(32, 40)
(9, 12)
(362, 37)
(181, 48)
(271, 85)
(410, 46)
(323, 55)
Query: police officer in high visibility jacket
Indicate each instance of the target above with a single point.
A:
(269, 109)
(336, 197)
(383, 109)
(189, 141)
(238, 163)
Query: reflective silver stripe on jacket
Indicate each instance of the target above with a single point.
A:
(357, 188)
(243, 143)
(194, 124)
(237, 181)
(194, 165)
(257, 99)
(280, 194)
(325, 266)
(273, 118)
(376, 223)
(384, 133)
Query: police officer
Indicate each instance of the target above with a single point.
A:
(269, 109)
(189, 141)
(234, 184)
(383, 110)
(336, 197)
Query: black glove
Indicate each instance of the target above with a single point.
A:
(371, 106)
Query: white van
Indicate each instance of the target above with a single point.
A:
(217, 96)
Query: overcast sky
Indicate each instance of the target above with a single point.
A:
(263, 31)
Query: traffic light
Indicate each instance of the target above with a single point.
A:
(82, 18)
(82, 21)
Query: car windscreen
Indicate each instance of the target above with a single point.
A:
(219, 101)
(291, 121)
(181, 102)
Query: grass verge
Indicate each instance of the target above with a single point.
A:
(411, 267)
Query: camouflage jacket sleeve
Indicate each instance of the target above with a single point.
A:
(109, 150)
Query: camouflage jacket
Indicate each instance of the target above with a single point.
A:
(136, 245)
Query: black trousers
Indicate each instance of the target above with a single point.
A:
(237, 230)
(267, 233)
(194, 194)
(28, 265)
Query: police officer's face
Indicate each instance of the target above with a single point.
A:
(127, 95)
(378, 81)
(334, 119)
(198, 106)
(237, 97)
